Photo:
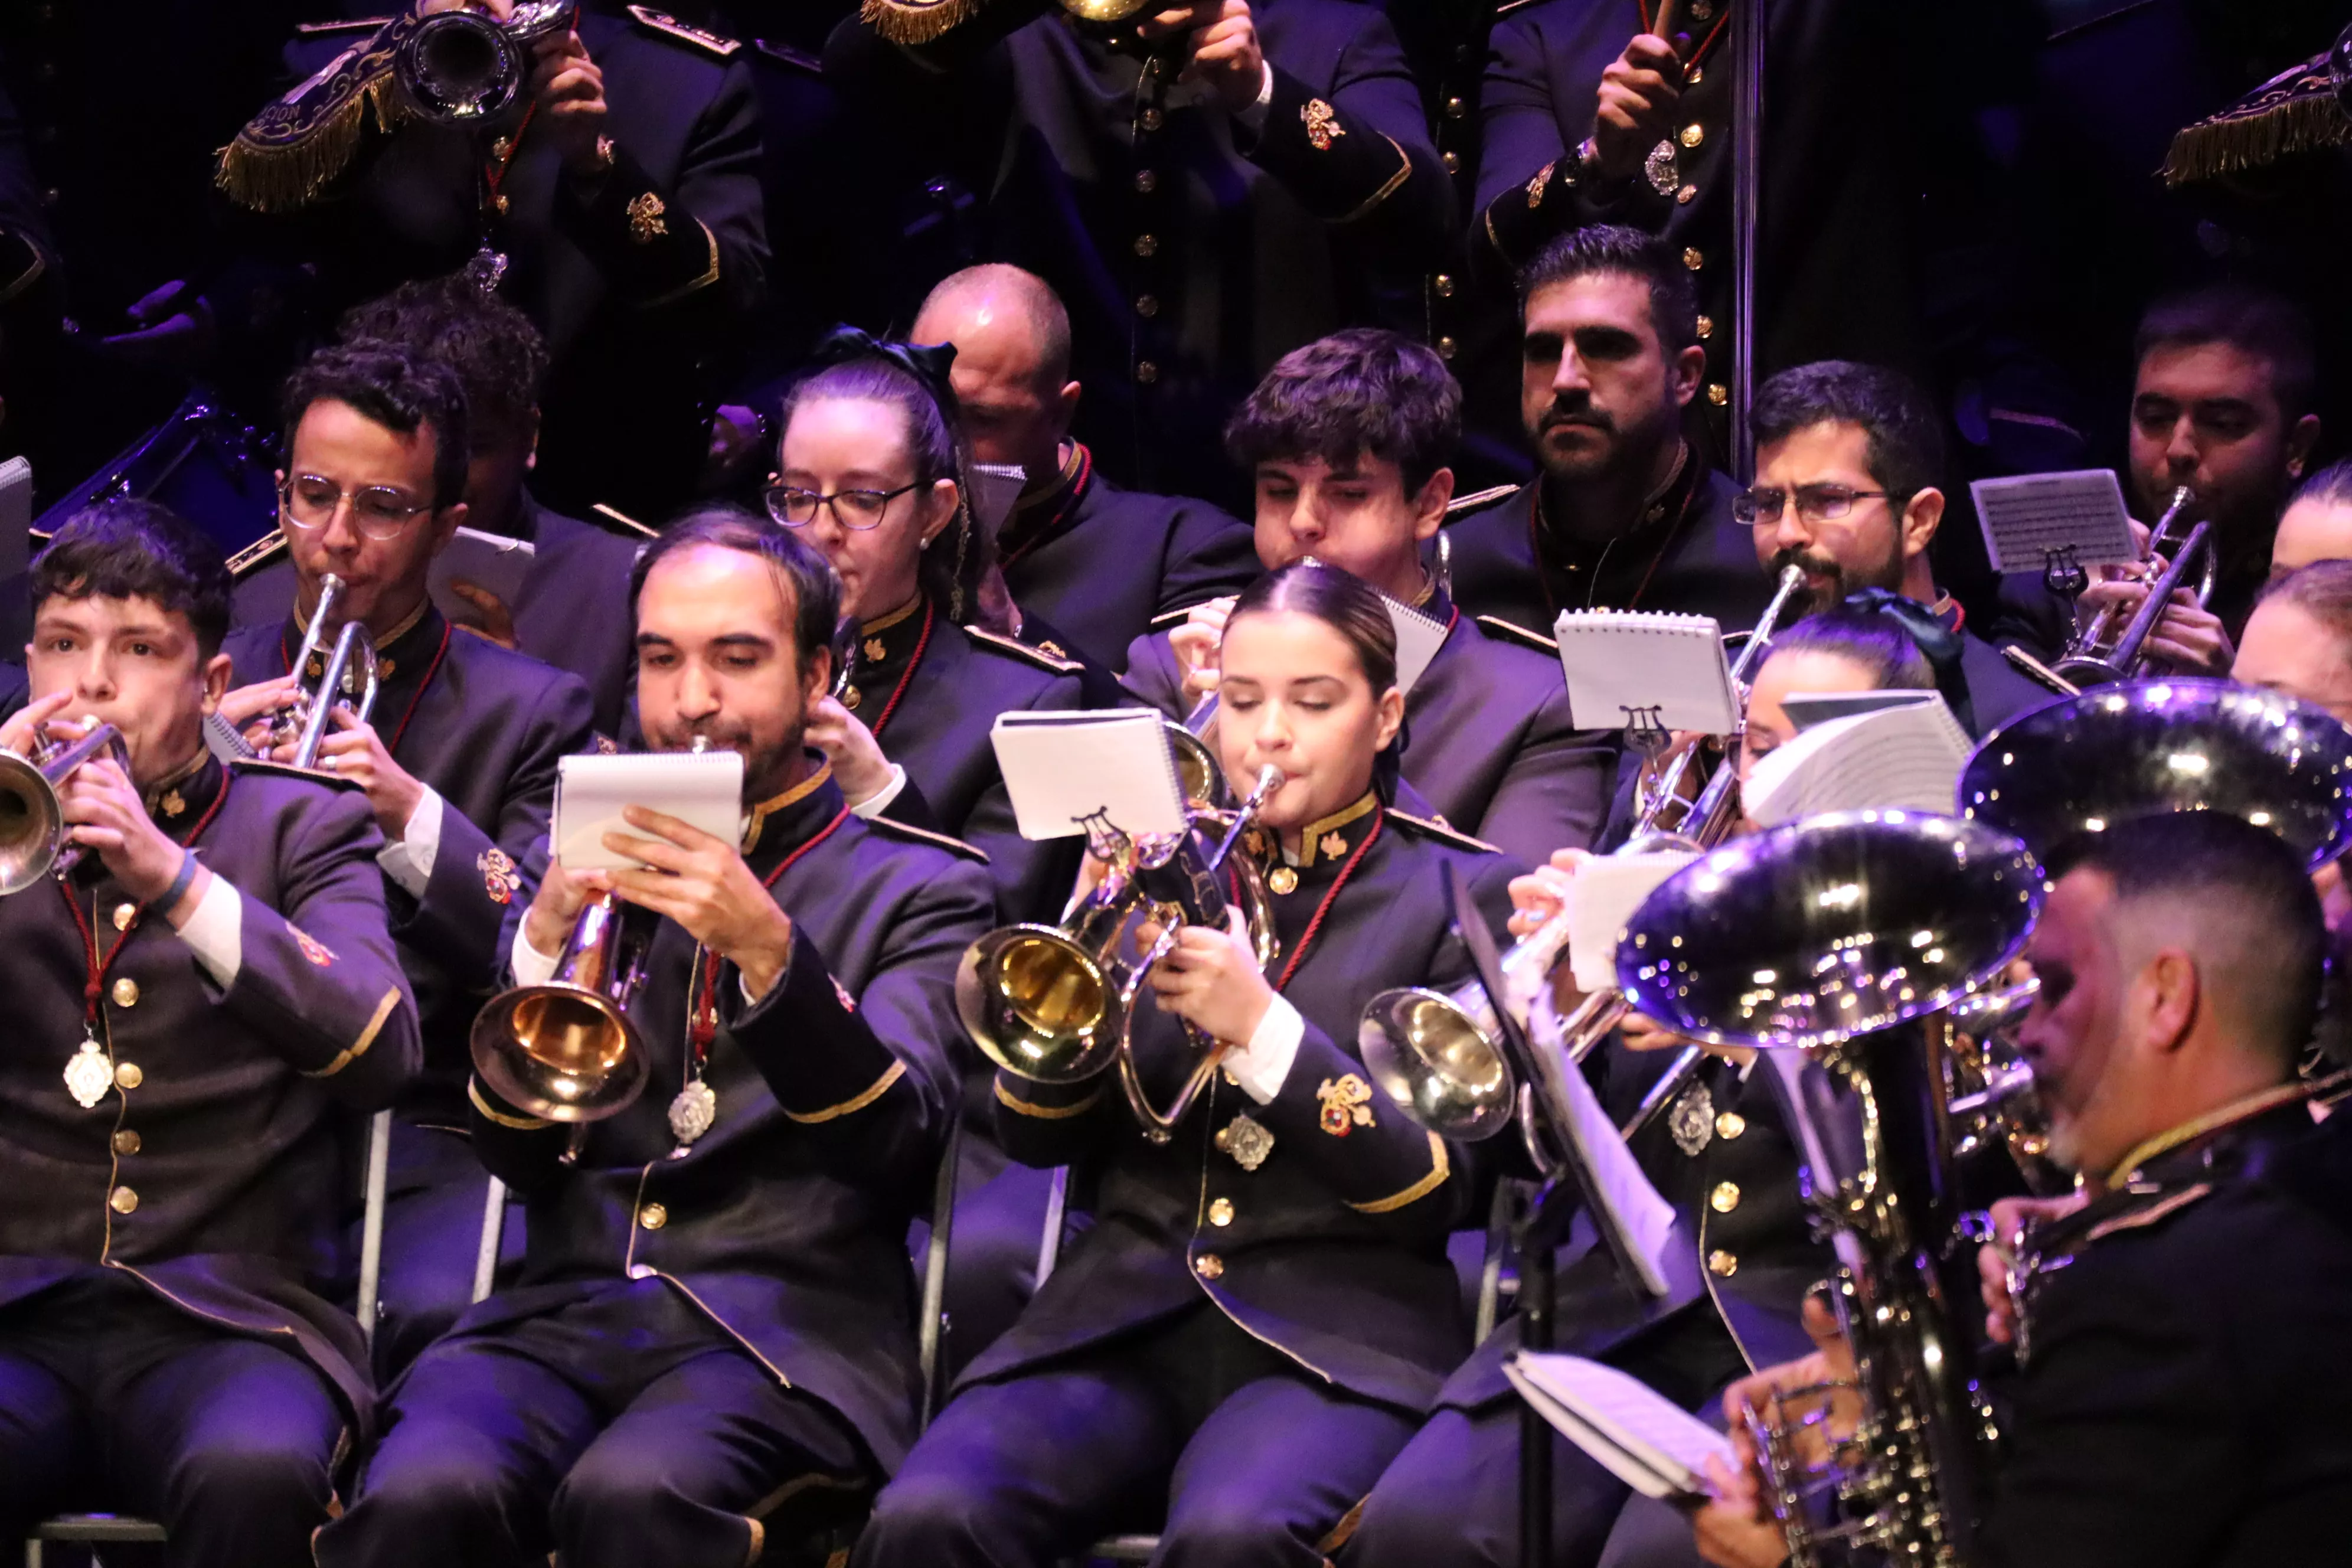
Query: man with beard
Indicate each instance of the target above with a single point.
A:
(1626, 514)
(1847, 457)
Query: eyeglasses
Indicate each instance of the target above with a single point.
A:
(1815, 503)
(859, 509)
(378, 511)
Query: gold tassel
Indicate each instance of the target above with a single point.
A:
(918, 21)
(2232, 143)
(279, 178)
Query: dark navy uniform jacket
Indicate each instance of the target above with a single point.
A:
(1191, 253)
(2182, 1393)
(1687, 555)
(484, 728)
(1488, 743)
(787, 1223)
(1102, 562)
(930, 691)
(215, 1171)
(1332, 1249)
(642, 285)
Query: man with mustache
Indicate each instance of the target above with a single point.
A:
(1626, 514)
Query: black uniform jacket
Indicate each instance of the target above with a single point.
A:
(215, 1170)
(1332, 1249)
(640, 282)
(1191, 253)
(1488, 744)
(1687, 555)
(930, 691)
(484, 728)
(2182, 1393)
(1721, 1154)
(786, 1222)
(1102, 562)
(1998, 690)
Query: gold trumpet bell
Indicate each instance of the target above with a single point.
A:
(1039, 1004)
(1105, 10)
(31, 825)
(1436, 1057)
(559, 1051)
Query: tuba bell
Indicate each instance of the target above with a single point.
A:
(465, 66)
(33, 831)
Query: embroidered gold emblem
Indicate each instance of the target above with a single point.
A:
(500, 879)
(874, 650)
(172, 802)
(1051, 649)
(1536, 187)
(312, 948)
(384, 668)
(1347, 1104)
(646, 221)
(1323, 126)
(1253, 840)
(1332, 846)
(1282, 879)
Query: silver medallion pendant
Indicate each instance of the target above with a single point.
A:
(1692, 1121)
(1246, 1140)
(1663, 168)
(486, 270)
(693, 1112)
(89, 1075)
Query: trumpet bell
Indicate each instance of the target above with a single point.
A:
(560, 1052)
(32, 824)
(1105, 10)
(1039, 1004)
(1438, 1058)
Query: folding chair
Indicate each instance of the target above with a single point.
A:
(117, 1529)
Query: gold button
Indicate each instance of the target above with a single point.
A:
(128, 1075)
(1151, 119)
(1692, 135)
(1282, 879)
(1687, 196)
(1722, 1263)
(852, 697)
(1697, 74)
(1145, 245)
(1147, 181)
(1718, 394)
(1724, 1198)
(1730, 1124)
(126, 1142)
(1701, 11)
(1452, 163)
(122, 1200)
(1146, 371)
(1146, 305)
(1209, 1265)
(1693, 258)
(1707, 326)
(1443, 283)
(124, 915)
(1447, 348)
(653, 1216)
(1456, 109)
(126, 992)
(1221, 1212)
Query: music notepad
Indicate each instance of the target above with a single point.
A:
(1907, 758)
(1070, 773)
(1641, 1437)
(1626, 666)
(702, 789)
(2028, 518)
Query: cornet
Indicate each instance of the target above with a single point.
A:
(465, 66)
(352, 665)
(564, 1050)
(2091, 659)
(33, 831)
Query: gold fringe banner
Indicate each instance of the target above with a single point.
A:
(918, 21)
(2295, 113)
(293, 150)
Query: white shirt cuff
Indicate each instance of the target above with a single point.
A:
(1262, 1065)
(408, 860)
(878, 803)
(215, 931)
(530, 966)
(1253, 119)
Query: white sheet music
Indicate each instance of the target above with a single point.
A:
(1615, 1187)
(1643, 1439)
(1608, 889)
(704, 789)
(1072, 772)
(1667, 670)
(2027, 517)
(1907, 758)
(1418, 638)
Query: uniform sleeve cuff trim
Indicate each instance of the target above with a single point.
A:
(709, 274)
(1404, 173)
(367, 1038)
(1046, 1113)
(1440, 1168)
(503, 1118)
(879, 1087)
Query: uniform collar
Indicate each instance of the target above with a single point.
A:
(2186, 1145)
(179, 801)
(408, 647)
(1329, 841)
(786, 821)
(1050, 511)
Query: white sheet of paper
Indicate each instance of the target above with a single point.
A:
(1613, 1180)
(1110, 766)
(1621, 663)
(1418, 638)
(15, 516)
(704, 789)
(1607, 890)
(996, 487)
(490, 561)
(1643, 1439)
(1810, 709)
(2027, 516)
(1907, 758)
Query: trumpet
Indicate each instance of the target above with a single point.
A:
(33, 831)
(350, 666)
(2092, 661)
(1691, 826)
(465, 66)
(1056, 1003)
(564, 1050)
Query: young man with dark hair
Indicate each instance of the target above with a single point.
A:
(572, 611)
(716, 1316)
(1624, 514)
(2174, 1401)
(195, 1012)
(1103, 563)
(1848, 462)
(1347, 440)
(457, 759)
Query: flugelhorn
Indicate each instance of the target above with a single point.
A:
(34, 841)
(465, 66)
(1056, 1003)
(564, 1050)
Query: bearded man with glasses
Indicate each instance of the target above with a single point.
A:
(457, 759)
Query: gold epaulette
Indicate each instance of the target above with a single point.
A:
(1445, 833)
(925, 835)
(318, 776)
(1511, 631)
(256, 555)
(331, 30)
(917, 21)
(623, 523)
(1477, 499)
(669, 26)
(1020, 649)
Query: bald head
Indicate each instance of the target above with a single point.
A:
(1012, 371)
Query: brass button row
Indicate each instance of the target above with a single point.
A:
(1209, 1265)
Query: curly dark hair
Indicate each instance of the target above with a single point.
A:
(398, 388)
(1365, 390)
(497, 353)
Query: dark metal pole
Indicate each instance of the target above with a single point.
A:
(1747, 29)
(1535, 1432)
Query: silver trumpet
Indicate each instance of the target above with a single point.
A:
(465, 66)
(350, 668)
(34, 840)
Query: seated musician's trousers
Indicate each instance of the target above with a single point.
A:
(622, 1430)
(432, 1236)
(1236, 1455)
(113, 1400)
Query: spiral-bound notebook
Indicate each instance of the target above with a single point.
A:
(1630, 667)
(703, 789)
(1070, 773)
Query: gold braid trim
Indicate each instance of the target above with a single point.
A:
(500, 1117)
(2276, 125)
(880, 1085)
(1403, 172)
(918, 21)
(1047, 1113)
(1440, 1168)
(281, 174)
(367, 1038)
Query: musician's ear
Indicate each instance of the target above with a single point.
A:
(1922, 515)
(1391, 718)
(216, 677)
